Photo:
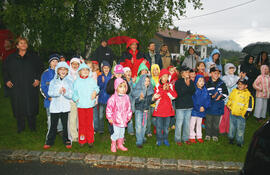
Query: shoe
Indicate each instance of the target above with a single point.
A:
(215, 138)
(81, 144)
(75, 140)
(208, 138)
(90, 145)
(132, 133)
(179, 143)
(113, 146)
(149, 135)
(68, 146)
(231, 141)
(173, 127)
(200, 140)
(159, 143)
(46, 146)
(120, 145)
(187, 142)
(239, 145)
(166, 143)
(192, 141)
(101, 132)
(60, 133)
(139, 146)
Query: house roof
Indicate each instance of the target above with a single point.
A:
(175, 34)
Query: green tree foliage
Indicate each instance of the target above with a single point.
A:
(75, 26)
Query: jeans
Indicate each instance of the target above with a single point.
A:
(163, 124)
(59, 126)
(130, 127)
(173, 119)
(140, 126)
(150, 120)
(99, 120)
(118, 133)
(212, 125)
(237, 128)
(182, 121)
(96, 118)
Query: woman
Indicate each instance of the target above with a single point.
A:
(132, 58)
(192, 59)
(165, 56)
(262, 59)
(22, 71)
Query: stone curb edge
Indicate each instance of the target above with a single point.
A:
(100, 160)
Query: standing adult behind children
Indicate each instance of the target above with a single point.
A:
(165, 56)
(103, 53)
(132, 58)
(152, 56)
(215, 58)
(192, 59)
(262, 59)
(22, 71)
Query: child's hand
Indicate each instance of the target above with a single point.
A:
(50, 99)
(94, 94)
(9, 84)
(214, 96)
(201, 109)
(134, 79)
(155, 96)
(64, 90)
(218, 98)
(111, 121)
(103, 79)
(141, 96)
(166, 86)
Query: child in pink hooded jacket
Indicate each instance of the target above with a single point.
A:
(118, 113)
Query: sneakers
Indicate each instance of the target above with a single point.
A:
(200, 140)
(166, 143)
(139, 146)
(81, 144)
(149, 135)
(46, 146)
(192, 141)
(208, 138)
(159, 143)
(231, 141)
(187, 142)
(215, 138)
(90, 145)
(179, 143)
(68, 146)
(132, 133)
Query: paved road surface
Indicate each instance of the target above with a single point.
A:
(35, 168)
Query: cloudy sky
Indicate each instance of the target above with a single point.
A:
(245, 24)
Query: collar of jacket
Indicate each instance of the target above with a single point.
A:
(83, 77)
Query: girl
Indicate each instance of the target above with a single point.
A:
(60, 91)
(201, 101)
(262, 84)
(215, 58)
(200, 70)
(164, 94)
(85, 92)
(118, 113)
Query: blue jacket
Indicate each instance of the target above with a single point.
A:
(210, 59)
(46, 78)
(60, 102)
(139, 88)
(103, 96)
(200, 99)
(219, 87)
(83, 90)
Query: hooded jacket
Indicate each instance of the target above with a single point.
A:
(155, 78)
(250, 69)
(118, 107)
(164, 106)
(191, 61)
(46, 77)
(148, 92)
(230, 80)
(200, 99)
(216, 106)
(262, 84)
(210, 59)
(74, 73)
(143, 67)
(83, 90)
(103, 96)
(60, 102)
(240, 101)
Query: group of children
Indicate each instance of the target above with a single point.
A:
(80, 92)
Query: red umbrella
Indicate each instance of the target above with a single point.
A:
(4, 34)
(118, 40)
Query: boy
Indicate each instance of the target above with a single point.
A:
(241, 104)
(218, 92)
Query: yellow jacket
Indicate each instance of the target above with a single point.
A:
(240, 101)
(155, 78)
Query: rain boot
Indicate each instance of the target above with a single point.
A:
(113, 146)
(120, 145)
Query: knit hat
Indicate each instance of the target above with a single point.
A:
(125, 69)
(163, 72)
(53, 57)
(105, 63)
(118, 69)
(130, 41)
(75, 59)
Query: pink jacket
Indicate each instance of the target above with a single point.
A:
(262, 84)
(118, 107)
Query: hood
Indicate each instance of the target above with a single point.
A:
(59, 65)
(117, 82)
(227, 66)
(197, 78)
(215, 51)
(142, 67)
(106, 63)
(209, 65)
(154, 66)
(246, 59)
(163, 72)
(263, 68)
(140, 87)
(82, 66)
(130, 41)
(75, 59)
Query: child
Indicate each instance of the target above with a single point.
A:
(90, 65)
(46, 78)
(85, 91)
(96, 68)
(185, 88)
(103, 96)
(118, 113)
(173, 77)
(142, 94)
(143, 69)
(127, 74)
(164, 94)
(192, 74)
(200, 70)
(231, 82)
(201, 101)
(60, 90)
(215, 58)
(261, 85)
(73, 116)
(218, 91)
(240, 103)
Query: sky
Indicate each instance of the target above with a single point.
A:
(245, 24)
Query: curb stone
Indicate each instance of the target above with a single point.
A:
(122, 161)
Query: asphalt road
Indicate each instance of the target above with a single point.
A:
(35, 168)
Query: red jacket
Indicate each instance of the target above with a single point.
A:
(164, 107)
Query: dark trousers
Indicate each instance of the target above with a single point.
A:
(31, 120)
(212, 125)
(53, 129)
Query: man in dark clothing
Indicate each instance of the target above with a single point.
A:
(152, 56)
(103, 53)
